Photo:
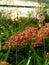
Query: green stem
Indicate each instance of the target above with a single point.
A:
(44, 49)
(45, 60)
(36, 57)
(16, 55)
(7, 54)
(21, 62)
(0, 45)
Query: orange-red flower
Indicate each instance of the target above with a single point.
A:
(22, 38)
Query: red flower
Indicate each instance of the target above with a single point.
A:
(12, 38)
(24, 42)
(7, 45)
(16, 44)
(35, 44)
(22, 38)
(28, 36)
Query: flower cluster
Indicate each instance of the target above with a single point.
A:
(41, 35)
(22, 38)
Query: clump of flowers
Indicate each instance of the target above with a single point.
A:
(22, 38)
(41, 35)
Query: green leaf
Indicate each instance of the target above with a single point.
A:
(22, 62)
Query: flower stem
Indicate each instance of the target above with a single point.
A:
(7, 54)
(0, 45)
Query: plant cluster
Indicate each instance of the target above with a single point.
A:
(22, 42)
(30, 33)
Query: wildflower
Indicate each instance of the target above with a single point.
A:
(28, 36)
(24, 42)
(31, 30)
(22, 38)
(12, 38)
(7, 45)
(16, 44)
(37, 43)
